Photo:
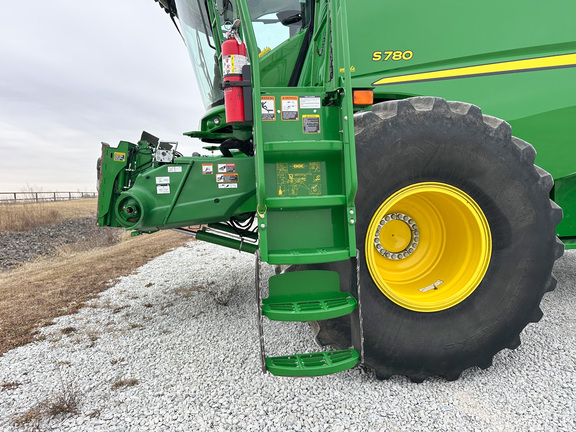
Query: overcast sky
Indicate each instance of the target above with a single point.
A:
(75, 73)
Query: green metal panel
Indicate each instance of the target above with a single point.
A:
(277, 66)
(305, 179)
(308, 129)
(513, 59)
(565, 197)
(113, 163)
(192, 190)
(538, 99)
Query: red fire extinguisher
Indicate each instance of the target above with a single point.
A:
(233, 59)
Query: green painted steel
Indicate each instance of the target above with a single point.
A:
(522, 70)
(306, 129)
(516, 62)
(313, 364)
(294, 172)
(310, 295)
(226, 242)
(190, 191)
(536, 95)
(113, 176)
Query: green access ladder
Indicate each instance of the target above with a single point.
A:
(305, 189)
(306, 295)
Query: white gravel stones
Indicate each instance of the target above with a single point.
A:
(194, 365)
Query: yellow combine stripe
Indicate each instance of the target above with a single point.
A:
(566, 60)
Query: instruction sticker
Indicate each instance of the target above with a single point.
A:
(299, 178)
(119, 157)
(311, 123)
(233, 64)
(268, 108)
(228, 186)
(174, 169)
(227, 178)
(163, 189)
(162, 180)
(207, 169)
(290, 108)
(226, 168)
(310, 102)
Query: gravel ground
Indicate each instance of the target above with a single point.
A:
(20, 247)
(174, 347)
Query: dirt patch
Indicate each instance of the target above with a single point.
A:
(17, 248)
(32, 294)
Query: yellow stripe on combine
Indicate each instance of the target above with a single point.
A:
(566, 60)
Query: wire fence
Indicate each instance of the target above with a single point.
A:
(30, 197)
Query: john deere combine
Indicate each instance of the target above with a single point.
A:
(420, 236)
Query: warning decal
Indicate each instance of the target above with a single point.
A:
(227, 178)
(311, 123)
(268, 108)
(290, 108)
(207, 169)
(119, 157)
(226, 168)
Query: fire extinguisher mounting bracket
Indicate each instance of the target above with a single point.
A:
(225, 84)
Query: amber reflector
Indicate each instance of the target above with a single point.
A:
(363, 97)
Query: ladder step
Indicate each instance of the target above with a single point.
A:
(293, 146)
(306, 201)
(308, 256)
(309, 295)
(314, 310)
(312, 364)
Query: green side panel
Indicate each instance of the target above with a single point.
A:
(190, 191)
(277, 65)
(565, 197)
(443, 36)
(569, 243)
(450, 38)
(310, 295)
(553, 134)
(308, 203)
(112, 177)
(313, 364)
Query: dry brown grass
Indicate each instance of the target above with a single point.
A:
(124, 382)
(64, 402)
(25, 217)
(32, 295)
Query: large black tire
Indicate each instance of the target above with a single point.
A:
(427, 139)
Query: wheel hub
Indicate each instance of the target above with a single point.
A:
(436, 263)
(397, 236)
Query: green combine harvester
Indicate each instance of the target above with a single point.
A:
(359, 146)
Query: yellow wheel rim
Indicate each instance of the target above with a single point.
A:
(428, 247)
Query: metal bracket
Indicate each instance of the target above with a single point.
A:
(333, 98)
(260, 316)
(225, 84)
(357, 324)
